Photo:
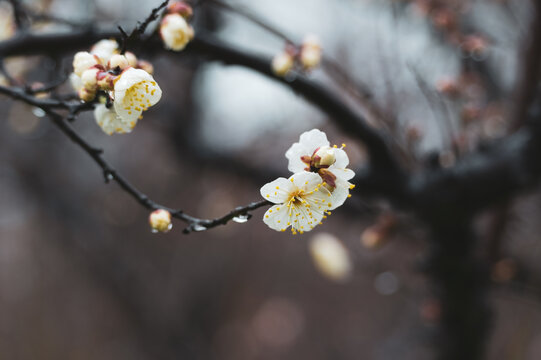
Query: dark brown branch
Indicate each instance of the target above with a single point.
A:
(194, 224)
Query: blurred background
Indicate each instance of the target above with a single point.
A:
(83, 277)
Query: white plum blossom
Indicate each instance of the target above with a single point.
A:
(301, 202)
(176, 32)
(110, 122)
(135, 91)
(104, 50)
(313, 153)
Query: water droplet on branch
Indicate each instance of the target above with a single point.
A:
(198, 227)
(242, 218)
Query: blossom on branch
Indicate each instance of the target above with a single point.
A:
(176, 32)
(313, 153)
(160, 220)
(135, 91)
(301, 202)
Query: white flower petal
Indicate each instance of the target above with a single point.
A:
(344, 174)
(135, 91)
(314, 138)
(277, 191)
(109, 122)
(306, 181)
(342, 160)
(308, 217)
(76, 82)
(277, 217)
(104, 49)
(309, 141)
(339, 194)
(320, 201)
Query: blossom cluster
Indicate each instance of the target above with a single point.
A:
(123, 83)
(175, 31)
(306, 57)
(319, 184)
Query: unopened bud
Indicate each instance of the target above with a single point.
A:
(118, 61)
(132, 59)
(282, 63)
(181, 8)
(160, 220)
(105, 80)
(324, 156)
(86, 95)
(310, 55)
(104, 49)
(145, 65)
(83, 61)
(89, 79)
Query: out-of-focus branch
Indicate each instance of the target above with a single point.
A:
(529, 71)
(138, 32)
(19, 14)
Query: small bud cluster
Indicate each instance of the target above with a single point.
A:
(175, 30)
(119, 79)
(305, 57)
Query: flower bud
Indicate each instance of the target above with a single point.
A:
(310, 55)
(324, 156)
(160, 220)
(106, 81)
(104, 49)
(282, 63)
(145, 65)
(89, 79)
(175, 32)
(86, 95)
(181, 8)
(118, 61)
(83, 61)
(132, 59)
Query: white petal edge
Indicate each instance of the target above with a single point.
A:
(270, 192)
(277, 217)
